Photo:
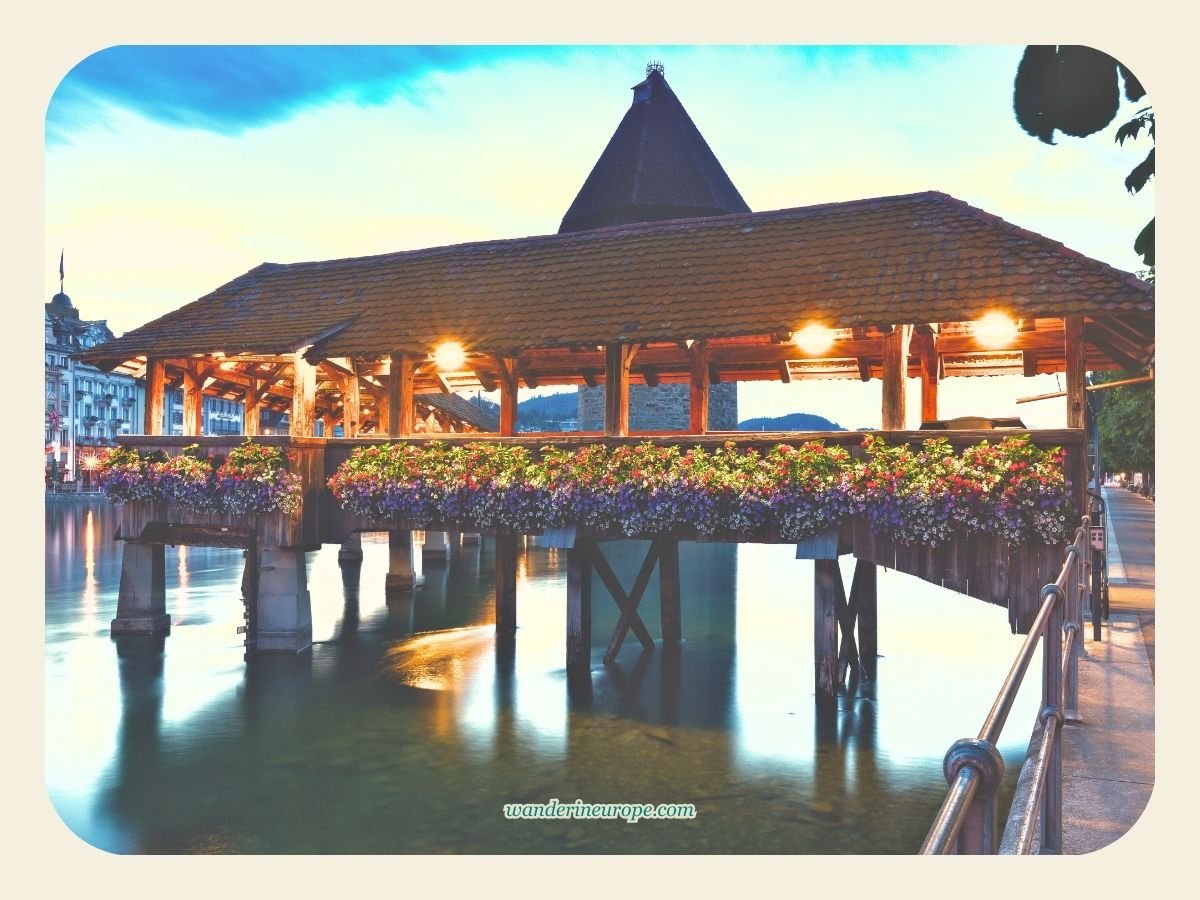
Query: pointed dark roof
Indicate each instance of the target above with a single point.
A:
(656, 166)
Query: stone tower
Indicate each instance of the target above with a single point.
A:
(656, 166)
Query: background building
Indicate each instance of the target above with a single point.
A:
(85, 407)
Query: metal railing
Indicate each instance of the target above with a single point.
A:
(966, 822)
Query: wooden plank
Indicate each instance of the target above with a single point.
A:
(668, 591)
(252, 409)
(895, 370)
(351, 405)
(864, 597)
(825, 636)
(579, 605)
(155, 384)
(698, 388)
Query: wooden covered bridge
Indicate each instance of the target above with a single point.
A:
(887, 288)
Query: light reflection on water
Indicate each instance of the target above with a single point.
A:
(408, 725)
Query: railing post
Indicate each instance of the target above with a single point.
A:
(1052, 696)
(977, 836)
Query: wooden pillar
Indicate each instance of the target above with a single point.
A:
(506, 584)
(141, 600)
(825, 633)
(508, 380)
(864, 592)
(155, 390)
(252, 408)
(351, 406)
(401, 411)
(618, 357)
(304, 397)
(895, 370)
(1075, 371)
(579, 605)
(668, 591)
(698, 394)
(193, 400)
(927, 348)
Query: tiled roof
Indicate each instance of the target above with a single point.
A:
(460, 408)
(916, 258)
(656, 166)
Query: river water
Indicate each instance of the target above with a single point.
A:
(406, 728)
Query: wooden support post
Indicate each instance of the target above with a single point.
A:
(618, 357)
(668, 591)
(351, 406)
(1076, 367)
(401, 411)
(304, 397)
(895, 372)
(155, 389)
(848, 663)
(252, 408)
(864, 596)
(698, 393)
(506, 584)
(141, 600)
(927, 348)
(579, 605)
(193, 400)
(825, 628)
(508, 395)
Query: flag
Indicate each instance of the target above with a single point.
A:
(60, 264)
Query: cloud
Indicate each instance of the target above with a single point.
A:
(230, 89)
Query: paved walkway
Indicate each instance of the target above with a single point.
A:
(1108, 758)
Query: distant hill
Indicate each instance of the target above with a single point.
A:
(790, 422)
(542, 413)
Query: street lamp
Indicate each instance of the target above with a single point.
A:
(91, 462)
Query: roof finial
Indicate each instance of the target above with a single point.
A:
(654, 67)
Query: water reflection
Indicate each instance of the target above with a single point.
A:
(408, 724)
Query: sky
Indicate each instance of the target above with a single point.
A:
(170, 170)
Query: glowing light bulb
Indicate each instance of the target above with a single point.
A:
(813, 339)
(994, 330)
(450, 356)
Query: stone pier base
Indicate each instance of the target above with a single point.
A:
(400, 561)
(284, 608)
(142, 600)
(351, 550)
(435, 549)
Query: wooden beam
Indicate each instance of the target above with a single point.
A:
(1117, 354)
(668, 591)
(400, 405)
(442, 384)
(579, 604)
(895, 369)
(508, 379)
(698, 388)
(714, 373)
(1029, 363)
(487, 381)
(527, 374)
(785, 373)
(155, 391)
(1075, 371)
(927, 348)
(193, 409)
(304, 397)
(506, 584)
(825, 627)
(618, 357)
(589, 377)
(650, 375)
(864, 597)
